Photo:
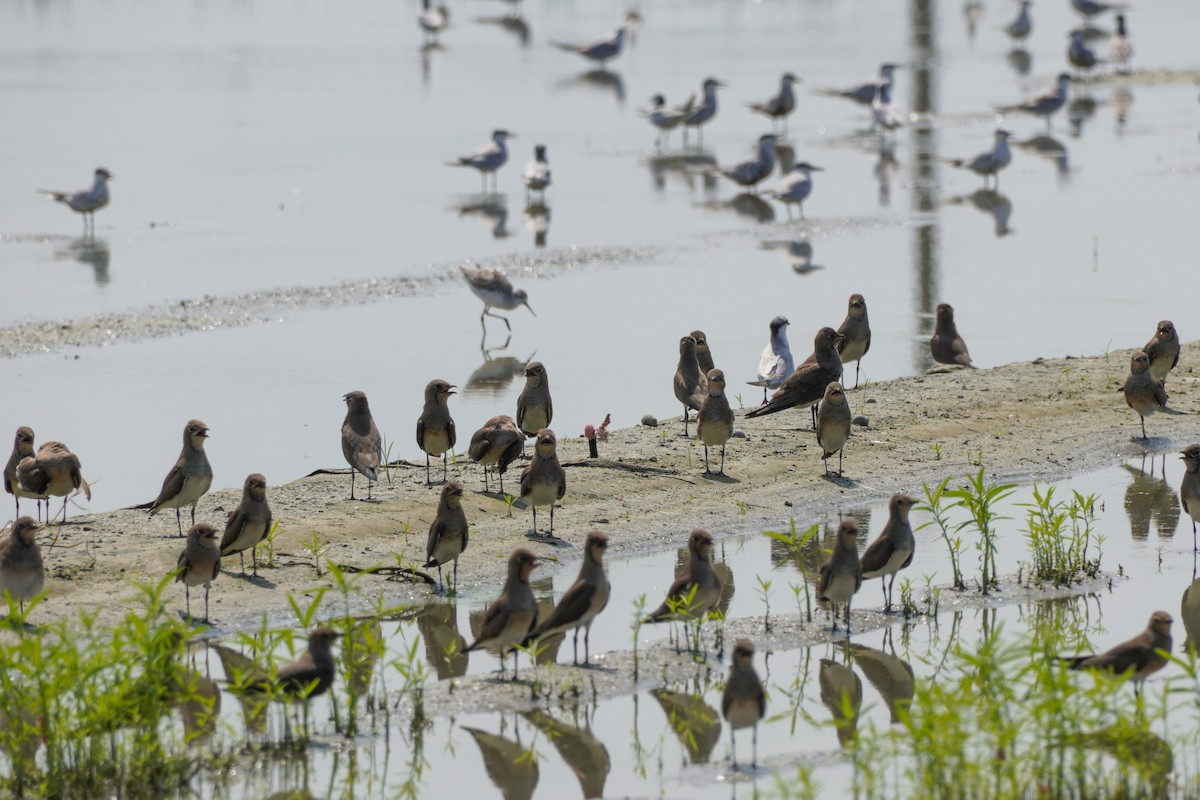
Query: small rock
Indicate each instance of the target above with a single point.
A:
(787, 503)
(739, 434)
(861, 421)
(650, 421)
(870, 400)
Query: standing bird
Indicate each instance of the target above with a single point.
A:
(513, 615)
(544, 481)
(893, 550)
(703, 352)
(537, 174)
(696, 589)
(1120, 50)
(1163, 350)
(1144, 393)
(435, 428)
(199, 563)
(885, 113)
(189, 479)
(22, 573)
(249, 524)
(776, 362)
(690, 383)
(856, 330)
(488, 159)
(989, 163)
(87, 202)
(841, 573)
(495, 290)
(743, 702)
(1140, 657)
(1079, 54)
(601, 50)
(666, 118)
(308, 676)
(946, 346)
(833, 424)
(1189, 490)
(714, 420)
(748, 174)
(535, 409)
(55, 470)
(864, 93)
(703, 113)
(781, 104)
(497, 443)
(806, 385)
(1019, 29)
(581, 603)
(448, 532)
(433, 20)
(22, 449)
(1044, 105)
(361, 443)
(795, 187)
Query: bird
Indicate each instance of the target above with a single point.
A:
(433, 20)
(743, 703)
(22, 449)
(841, 572)
(795, 187)
(361, 443)
(22, 573)
(249, 524)
(863, 93)
(189, 479)
(664, 117)
(885, 113)
(435, 427)
(582, 602)
(310, 675)
(1120, 51)
(543, 481)
(1079, 54)
(513, 615)
(893, 550)
(537, 174)
(1094, 8)
(1144, 393)
(856, 330)
(1019, 29)
(88, 201)
(806, 385)
(489, 158)
(989, 163)
(199, 563)
(714, 419)
(776, 362)
(833, 424)
(703, 352)
(55, 470)
(448, 532)
(601, 50)
(696, 589)
(1189, 490)
(781, 104)
(1044, 105)
(1139, 657)
(1163, 350)
(535, 409)
(495, 290)
(497, 443)
(748, 174)
(690, 382)
(946, 346)
(703, 113)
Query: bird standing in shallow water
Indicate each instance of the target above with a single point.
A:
(488, 159)
(583, 602)
(1139, 657)
(743, 703)
(1189, 490)
(496, 291)
(537, 174)
(1144, 393)
(893, 550)
(87, 202)
(513, 615)
(841, 572)
(22, 573)
(781, 104)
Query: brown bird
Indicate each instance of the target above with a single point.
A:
(497, 443)
(581, 603)
(199, 563)
(1189, 490)
(513, 616)
(946, 346)
(703, 354)
(22, 449)
(841, 573)
(22, 573)
(55, 470)
(697, 587)
(714, 420)
(435, 428)
(690, 383)
(1144, 393)
(744, 702)
(448, 532)
(856, 329)
(806, 385)
(189, 479)
(361, 443)
(893, 550)
(1163, 350)
(311, 674)
(1139, 657)
(544, 481)
(247, 526)
(833, 424)
(534, 406)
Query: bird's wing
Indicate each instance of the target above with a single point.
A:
(233, 529)
(479, 444)
(451, 433)
(573, 605)
(172, 485)
(562, 485)
(421, 433)
(878, 554)
(435, 533)
(527, 479)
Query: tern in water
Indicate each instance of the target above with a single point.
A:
(537, 174)
(495, 290)
(666, 118)
(433, 20)
(1079, 54)
(488, 159)
(781, 104)
(1120, 50)
(87, 202)
(795, 186)
(884, 111)
(989, 163)
(1044, 105)
(863, 93)
(601, 50)
(1093, 8)
(749, 173)
(703, 113)
(1019, 29)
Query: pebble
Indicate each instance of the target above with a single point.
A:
(861, 421)
(650, 421)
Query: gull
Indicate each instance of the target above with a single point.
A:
(487, 159)
(990, 162)
(537, 174)
(1019, 29)
(494, 289)
(1093, 8)
(863, 93)
(601, 50)
(1079, 54)
(781, 104)
(750, 173)
(1044, 105)
(1120, 50)
(433, 20)
(87, 202)
(664, 117)
(795, 187)
(703, 113)
(776, 362)
(884, 111)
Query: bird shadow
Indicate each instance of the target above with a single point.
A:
(602, 79)
(718, 477)
(257, 580)
(546, 538)
(840, 480)
(517, 26)
(517, 502)
(203, 624)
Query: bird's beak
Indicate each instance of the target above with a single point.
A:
(816, 169)
(526, 304)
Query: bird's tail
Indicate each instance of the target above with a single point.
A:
(1072, 662)
(762, 411)
(59, 197)
(826, 91)
(956, 162)
(143, 507)
(570, 48)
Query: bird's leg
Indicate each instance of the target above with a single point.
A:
(706, 471)
(552, 519)
(535, 520)
(847, 618)
(242, 558)
(1143, 428)
(841, 472)
(813, 409)
(254, 559)
(856, 365)
(178, 521)
(193, 513)
(187, 599)
(754, 747)
(587, 649)
(445, 466)
(685, 421)
(722, 472)
(501, 474)
(825, 461)
(428, 480)
(575, 648)
(351, 484)
(206, 602)
(733, 747)
(764, 396)
(369, 484)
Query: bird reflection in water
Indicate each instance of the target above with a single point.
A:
(1051, 149)
(798, 252)
(493, 377)
(602, 79)
(513, 23)
(92, 252)
(992, 203)
(511, 766)
(885, 165)
(1150, 499)
(578, 747)
(1080, 110)
(690, 165)
(785, 156)
(445, 647)
(1020, 60)
(841, 693)
(537, 219)
(889, 674)
(427, 56)
(1122, 101)
(491, 208)
(694, 722)
(1189, 613)
(746, 205)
